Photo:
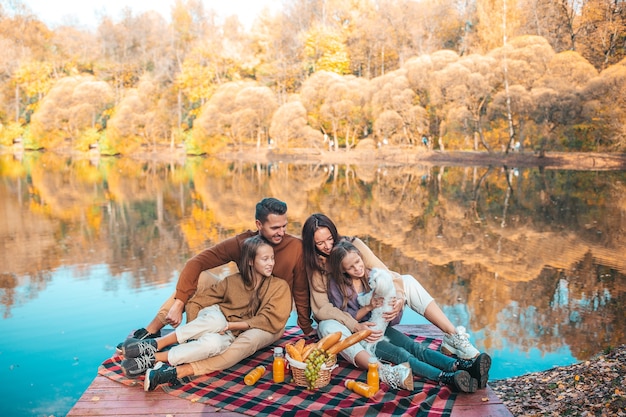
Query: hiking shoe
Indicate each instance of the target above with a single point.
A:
(158, 375)
(135, 367)
(140, 334)
(399, 376)
(460, 381)
(478, 368)
(133, 348)
(458, 344)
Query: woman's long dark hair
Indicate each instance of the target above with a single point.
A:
(246, 268)
(343, 280)
(310, 252)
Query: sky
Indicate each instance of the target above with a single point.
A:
(86, 12)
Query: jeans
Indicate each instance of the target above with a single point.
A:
(398, 348)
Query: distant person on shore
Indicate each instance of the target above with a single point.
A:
(250, 299)
(271, 222)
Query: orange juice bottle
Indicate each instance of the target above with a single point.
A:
(278, 367)
(254, 375)
(360, 388)
(373, 379)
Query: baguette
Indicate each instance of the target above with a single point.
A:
(300, 345)
(329, 340)
(293, 352)
(349, 341)
(308, 349)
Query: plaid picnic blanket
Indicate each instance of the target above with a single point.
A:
(226, 390)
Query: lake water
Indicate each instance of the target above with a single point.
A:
(531, 261)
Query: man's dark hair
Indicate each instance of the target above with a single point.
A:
(269, 206)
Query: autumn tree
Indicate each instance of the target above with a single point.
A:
(554, 20)
(217, 125)
(423, 76)
(289, 128)
(490, 28)
(73, 105)
(605, 103)
(398, 117)
(602, 38)
(141, 118)
(325, 50)
(313, 95)
(254, 107)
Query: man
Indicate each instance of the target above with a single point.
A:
(271, 223)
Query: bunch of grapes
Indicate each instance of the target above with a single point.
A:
(314, 363)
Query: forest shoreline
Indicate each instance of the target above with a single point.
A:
(586, 161)
(581, 161)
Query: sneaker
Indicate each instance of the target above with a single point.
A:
(134, 367)
(458, 344)
(460, 381)
(133, 348)
(399, 376)
(158, 375)
(140, 334)
(478, 368)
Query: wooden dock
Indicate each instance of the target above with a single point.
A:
(107, 398)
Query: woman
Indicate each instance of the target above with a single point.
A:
(252, 298)
(348, 278)
(319, 235)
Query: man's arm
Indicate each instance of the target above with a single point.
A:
(224, 252)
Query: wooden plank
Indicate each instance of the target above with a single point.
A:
(107, 398)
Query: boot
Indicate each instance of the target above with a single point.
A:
(460, 381)
(478, 368)
(158, 375)
(399, 376)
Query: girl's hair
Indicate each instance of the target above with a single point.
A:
(246, 268)
(338, 275)
(310, 252)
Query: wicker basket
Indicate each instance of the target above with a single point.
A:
(323, 376)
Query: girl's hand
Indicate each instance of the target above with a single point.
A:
(175, 315)
(376, 302)
(225, 329)
(397, 305)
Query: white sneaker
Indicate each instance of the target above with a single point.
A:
(458, 344)
(399, 376)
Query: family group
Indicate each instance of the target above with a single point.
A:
(327, 277)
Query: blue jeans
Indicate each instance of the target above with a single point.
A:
(424, 362)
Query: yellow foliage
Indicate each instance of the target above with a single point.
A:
(34, 78)
(326, 50)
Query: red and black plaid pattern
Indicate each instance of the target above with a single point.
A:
(227, 390)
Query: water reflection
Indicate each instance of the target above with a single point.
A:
(531, 261)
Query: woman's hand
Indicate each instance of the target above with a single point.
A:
(376, 334)
(397, 304)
